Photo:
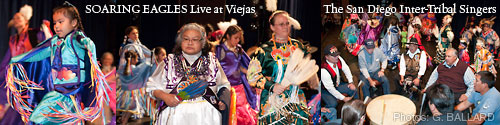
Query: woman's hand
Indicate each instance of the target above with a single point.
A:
(243, 70)
(170, 99)
(222, 106)
(278, 89)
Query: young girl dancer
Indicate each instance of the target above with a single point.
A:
(59, 82)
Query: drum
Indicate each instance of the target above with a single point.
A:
(391, 110)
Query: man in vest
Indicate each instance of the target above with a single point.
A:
(412, 64)
(454, 73)
(332, 85)
(372, 63)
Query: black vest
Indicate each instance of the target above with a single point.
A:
(332, 73)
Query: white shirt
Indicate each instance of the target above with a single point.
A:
(165, 76)
(326, 78)
(191, 58)
(422, 62)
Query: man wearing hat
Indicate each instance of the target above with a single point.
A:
(412, 64)
(332, 85)
(372, 71)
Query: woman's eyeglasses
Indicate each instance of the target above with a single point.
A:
(284, 24)
(191, 40)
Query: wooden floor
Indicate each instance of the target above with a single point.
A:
(142, 121)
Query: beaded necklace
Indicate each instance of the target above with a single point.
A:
(284, 51)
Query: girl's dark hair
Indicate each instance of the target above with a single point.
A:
(131, 54)
(129, 29)
(209, 28)
(231, 30)
(71, 12)
(158, 49)
(352, 112)
(192, 26)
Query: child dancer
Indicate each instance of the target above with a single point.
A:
(109, 71)
(463, 53)
(59, 82)
(234, 62)
(133, 74)
(404, 35)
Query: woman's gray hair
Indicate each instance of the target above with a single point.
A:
(191, 26)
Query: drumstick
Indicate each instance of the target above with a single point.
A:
(383, 112)
(357, 89)
(366, 100)
(422, 105)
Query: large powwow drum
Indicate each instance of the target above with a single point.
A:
(391, 110)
